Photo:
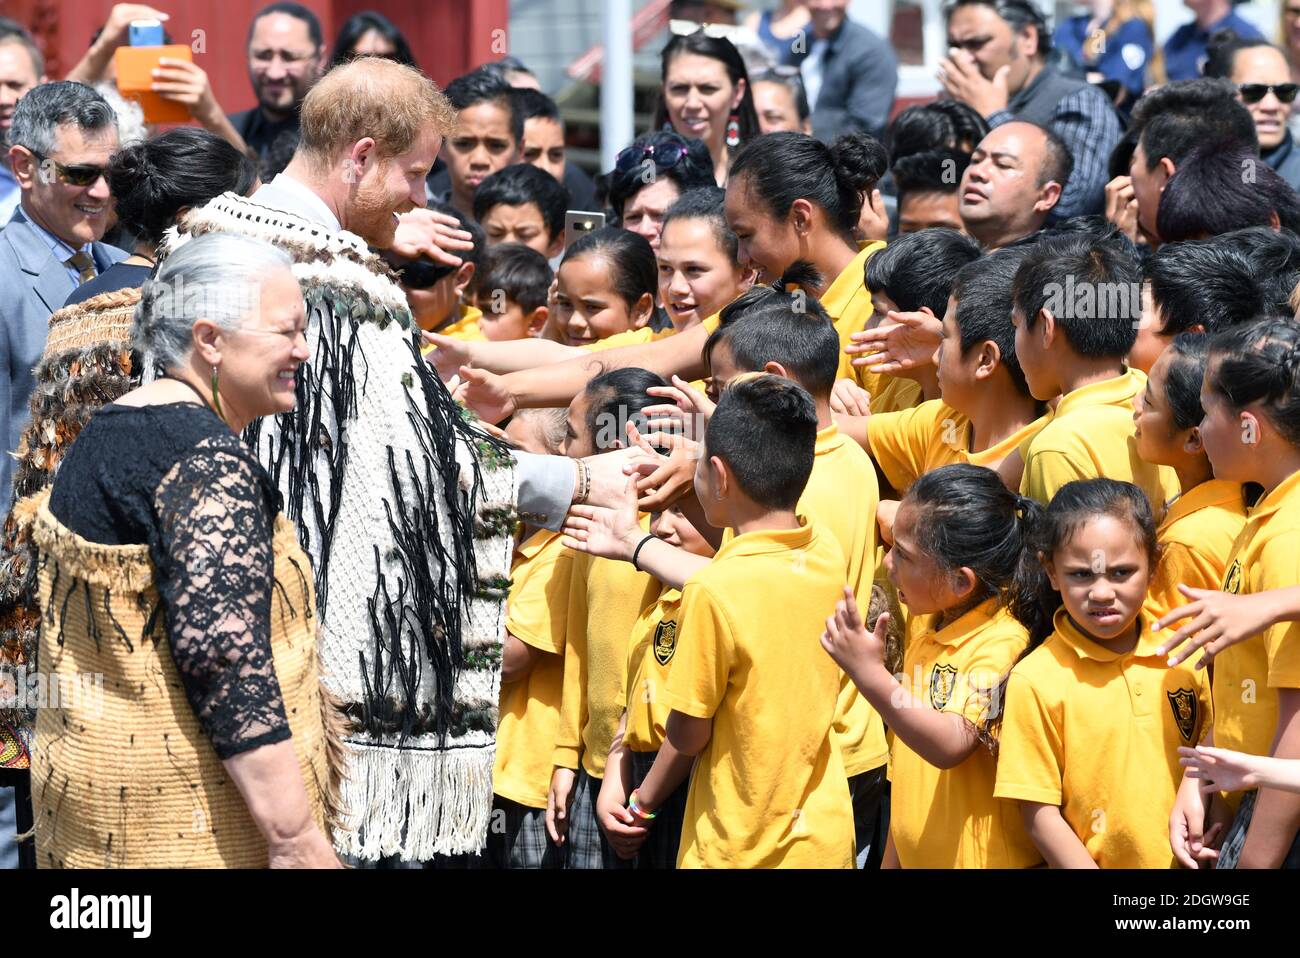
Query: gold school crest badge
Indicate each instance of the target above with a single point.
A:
(943, 679)
(1232, 581)
(665, 642)
(1183, 702)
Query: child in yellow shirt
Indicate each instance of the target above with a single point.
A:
(1251, 396)
(961, 544)
(640, 732)
(1077, 302)
(750, 693)
(604, 601)
(1095, 708)
(1197, 532)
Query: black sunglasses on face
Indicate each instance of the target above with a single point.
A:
(75, 175)
(1254, 92)
(421, 273)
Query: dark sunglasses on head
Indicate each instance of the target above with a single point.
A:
(75, 175)
(1254, 92)
(665, 156)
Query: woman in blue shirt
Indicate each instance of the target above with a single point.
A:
(1114, 41)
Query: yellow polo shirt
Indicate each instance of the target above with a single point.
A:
(1196, 538)
(629, 337)
(848, 301)
(1247, 676)
(948, 818)
(841, 497)
(650, 656)
(530, 707)
(1097, 733)
(1091, 436)
(769, 789)
(604, 601)
(911, 442)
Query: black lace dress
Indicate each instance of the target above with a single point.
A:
(175, 478)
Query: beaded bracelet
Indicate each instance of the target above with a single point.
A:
(637, 811)
(584, 482)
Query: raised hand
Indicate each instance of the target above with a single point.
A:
(902, 341)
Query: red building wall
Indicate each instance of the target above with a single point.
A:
(447, 37)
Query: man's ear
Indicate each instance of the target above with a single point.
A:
(362, 157)
(1049, 194)
(1046, 327)
(536, 320)
(643, 310)
(1274, 222)
(776, 369)
(464, 276)
(1167, 168)
(24, 165)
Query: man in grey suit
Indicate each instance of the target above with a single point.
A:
(62, 137)
(849, 73)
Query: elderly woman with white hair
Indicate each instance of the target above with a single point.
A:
(166, 568)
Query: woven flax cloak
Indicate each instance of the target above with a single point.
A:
(405, 509)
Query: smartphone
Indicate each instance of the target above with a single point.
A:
(145, 33)
(579, 222)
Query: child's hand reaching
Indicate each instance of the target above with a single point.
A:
(611, 533)
(1218, 620)
(1223, 770)
(858, 652)
(850, 399)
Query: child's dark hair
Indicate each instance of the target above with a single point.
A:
(765, 430)
(1260, 363)
(705, 203)
(983, 293)
(934, 171)
(520, 184)
(519, 271)
(1189, 354)
(1210, 283)
(968, 517)
(779, 168)
(1208, 194)
(941, 125)
(917, 270)
(1081, 500)
(1059, 269)
(486, 86)
(534, 104)
(633, 271)
(767, 324)
(617, 397)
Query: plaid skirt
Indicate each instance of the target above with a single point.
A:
(586, 843)
(517, 838)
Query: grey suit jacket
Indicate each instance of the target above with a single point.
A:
(34, 286)
(859, 78)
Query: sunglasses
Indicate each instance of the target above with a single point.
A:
(75, 175)
(665, 156)
(1254, 92)
(421, 273)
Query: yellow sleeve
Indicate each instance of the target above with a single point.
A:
(1030, 750)
(1279, 562)
(897, 443)
(630, 337)
(536, 614)
(702, 664)
(984, 674)
(573, 701)
(1180, 563)
(1045, 472)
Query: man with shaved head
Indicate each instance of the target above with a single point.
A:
(1015, 179)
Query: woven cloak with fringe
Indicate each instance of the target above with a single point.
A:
(405, 509)
(86, 364)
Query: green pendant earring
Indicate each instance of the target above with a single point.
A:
(216, 397)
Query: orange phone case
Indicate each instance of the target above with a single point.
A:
(135, 66)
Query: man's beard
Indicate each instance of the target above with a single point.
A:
(370, 216)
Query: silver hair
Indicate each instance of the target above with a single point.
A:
(44, 108)
(217, 277)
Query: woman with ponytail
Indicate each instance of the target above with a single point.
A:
(964, 565)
